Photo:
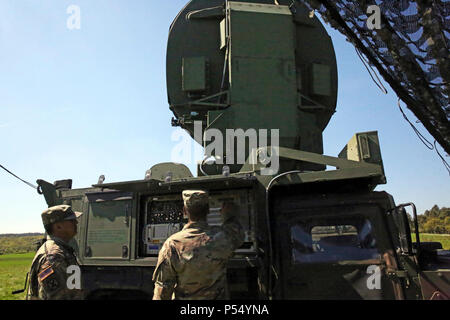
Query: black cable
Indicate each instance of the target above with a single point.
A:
(26, 182)
(447, 166)
(370, 71)
(424, 140)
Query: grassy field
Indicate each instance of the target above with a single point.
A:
(13, 268)
(16, 254)
(18, 244)
(428, 237)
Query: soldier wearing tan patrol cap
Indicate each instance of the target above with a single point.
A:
(49, 270)
(192, 263)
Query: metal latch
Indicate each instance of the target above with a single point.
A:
(397, 274)
(124, 251)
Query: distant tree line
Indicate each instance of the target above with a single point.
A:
(436, 220)
(18, 235)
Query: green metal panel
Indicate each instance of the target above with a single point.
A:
(262, 72)
(363, 146)
(321, 79)
(270, 83)
(194, 74)
(261, 35)
(108, 233)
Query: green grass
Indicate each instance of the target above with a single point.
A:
(428, 237)
(13, 269)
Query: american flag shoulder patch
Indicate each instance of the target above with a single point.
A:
(44, 274)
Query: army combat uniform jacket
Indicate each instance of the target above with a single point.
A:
(48, 274)
(192, 262)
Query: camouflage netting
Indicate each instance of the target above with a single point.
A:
(410, 50)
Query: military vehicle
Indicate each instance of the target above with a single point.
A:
(314, 226)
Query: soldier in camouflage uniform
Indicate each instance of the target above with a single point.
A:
(48, 274)
(192, 262)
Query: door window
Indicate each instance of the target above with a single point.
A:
(326, 241)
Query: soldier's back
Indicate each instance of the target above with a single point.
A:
(199, 257)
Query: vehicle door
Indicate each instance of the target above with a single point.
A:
(331, 252)
(108, 232)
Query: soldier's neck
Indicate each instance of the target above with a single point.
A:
(60, 237)
(197, 221)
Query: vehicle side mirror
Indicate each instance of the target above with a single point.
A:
(404, 223)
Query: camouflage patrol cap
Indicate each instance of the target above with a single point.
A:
(59, 213)
(194, 198)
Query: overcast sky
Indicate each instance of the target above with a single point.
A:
(81, 103)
